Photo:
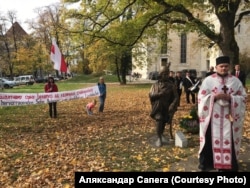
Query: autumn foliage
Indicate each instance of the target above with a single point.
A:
(38, 151)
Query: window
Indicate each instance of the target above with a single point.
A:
(164, 61)
(208, 64)
(183, 48)
(164, 44)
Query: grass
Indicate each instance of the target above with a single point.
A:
(76, 82)
(38, 151)
(93, 78)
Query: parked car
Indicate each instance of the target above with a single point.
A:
(56, 78)
(5, 83)
(25, 80)
(40, 79)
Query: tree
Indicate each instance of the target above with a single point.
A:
(118, 54)
(50, 24)
(11, 41)
(103, 18)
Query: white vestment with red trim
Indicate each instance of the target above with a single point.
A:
(226, 118)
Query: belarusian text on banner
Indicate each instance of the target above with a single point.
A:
(19, 99)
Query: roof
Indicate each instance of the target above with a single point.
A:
(18, 30)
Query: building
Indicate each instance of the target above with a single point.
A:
(186, 51)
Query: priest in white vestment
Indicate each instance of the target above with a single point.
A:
(221, 110)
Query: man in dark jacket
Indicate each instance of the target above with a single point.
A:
(188, 83)
(164, 101)
(239, 74)
(103, 93)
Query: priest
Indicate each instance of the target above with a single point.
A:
(221, 110)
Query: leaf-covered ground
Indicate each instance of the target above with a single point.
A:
(37, 151)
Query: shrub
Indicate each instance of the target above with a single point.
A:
(190, 122)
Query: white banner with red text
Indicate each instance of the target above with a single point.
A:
(20, 99)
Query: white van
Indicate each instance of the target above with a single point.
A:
(25, 80)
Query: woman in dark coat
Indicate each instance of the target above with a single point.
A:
(51, 87)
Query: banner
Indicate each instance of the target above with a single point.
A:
(20, 99)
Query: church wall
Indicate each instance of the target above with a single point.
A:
(197, 57)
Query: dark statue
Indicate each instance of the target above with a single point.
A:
(164, 102)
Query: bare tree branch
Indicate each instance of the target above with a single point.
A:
(241, 15)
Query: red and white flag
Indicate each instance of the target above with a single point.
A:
(57, 58)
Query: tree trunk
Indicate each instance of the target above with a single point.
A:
(117, 70)
(226, 40)
(126, 61)
(123, 69)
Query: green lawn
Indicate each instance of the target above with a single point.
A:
(73, 83)
(46, 152)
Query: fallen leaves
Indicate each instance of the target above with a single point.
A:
(37, 151)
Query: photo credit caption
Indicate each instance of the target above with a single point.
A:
(241, 179)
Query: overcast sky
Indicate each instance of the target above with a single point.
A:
(24, 8)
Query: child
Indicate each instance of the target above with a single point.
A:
(90, 107)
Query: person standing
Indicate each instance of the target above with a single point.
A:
(179, 83)
(221, 111)
(211, 71)
(103, 93)
(172, 76)
(188, 83)
(164, 101)
(50, 86)
(239, 74)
